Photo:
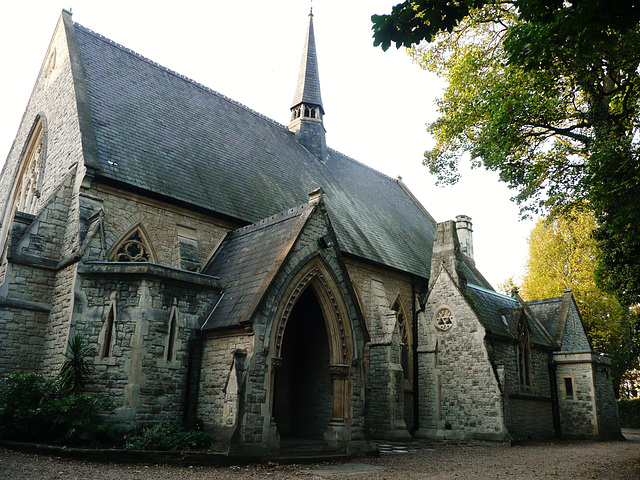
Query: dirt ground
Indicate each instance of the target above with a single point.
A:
(562, 460)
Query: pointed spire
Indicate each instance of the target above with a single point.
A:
(306, 108)
(308, 88)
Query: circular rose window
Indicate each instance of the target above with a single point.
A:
(444, 319)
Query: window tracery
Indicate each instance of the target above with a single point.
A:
(27, 187)
(134, 248)
(444, 319)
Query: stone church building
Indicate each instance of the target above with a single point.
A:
(233, 270)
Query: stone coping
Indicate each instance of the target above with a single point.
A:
(149, 270)
(581, 357)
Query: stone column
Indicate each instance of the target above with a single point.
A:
(337, 433)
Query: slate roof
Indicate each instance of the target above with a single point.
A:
(308, 86)
(490, 306)
(472, 274)
(160, 132)
(487, 305)
(248, 260)
(548, 312)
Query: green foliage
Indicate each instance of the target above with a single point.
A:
(507, 286)
(547, 93)
(412, 21)
(25, 406)
(33, 408)
(118, 433)
(629, 411)
(75, 369)
(563, 254)
(77, 419)
(168, 436)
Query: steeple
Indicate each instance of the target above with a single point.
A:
(306, 107)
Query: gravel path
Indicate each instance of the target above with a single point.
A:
(562, 460)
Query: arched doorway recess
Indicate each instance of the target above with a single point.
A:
(312, 310)
(303, 396)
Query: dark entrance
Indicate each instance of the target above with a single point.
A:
(303, 396)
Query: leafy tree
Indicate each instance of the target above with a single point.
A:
(563, 254)
(546, 92)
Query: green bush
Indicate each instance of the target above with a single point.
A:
(168, 436)
(629, 411)
(118, 433)
(25, 406)
(77, 419)
(33, 408)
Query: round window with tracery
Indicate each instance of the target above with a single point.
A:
(444, 319)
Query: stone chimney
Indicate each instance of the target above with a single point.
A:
(464, 227)
(446, 253)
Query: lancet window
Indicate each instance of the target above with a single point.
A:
(172, 336)
(109, 332)
(524, 356)
(405, 339)
(27, 188)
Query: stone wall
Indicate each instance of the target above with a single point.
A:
(21, 338)
(578, 415)
(459, 393)
(607, 406)
(528, 413)
(145, 383)
(165, 224)
(220, 382)
(390, 395)
(590, 410)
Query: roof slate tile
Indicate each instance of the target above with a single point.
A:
(161, 132)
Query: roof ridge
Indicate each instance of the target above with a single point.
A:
(492, 292)
(348, 157)
(215, 92)
(176, 74)
(544, 300)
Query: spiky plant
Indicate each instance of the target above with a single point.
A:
(75, 369)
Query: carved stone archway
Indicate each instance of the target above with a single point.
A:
(316, 275)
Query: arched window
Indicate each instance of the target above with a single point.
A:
(28, 180)
(108, 333)
(27, 186)
(405, 338)
(134, 247)
(524, 357)
(172, 336)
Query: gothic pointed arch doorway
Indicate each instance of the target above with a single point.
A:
(303, 396)
(312, 345)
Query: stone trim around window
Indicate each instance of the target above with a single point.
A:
(444, 320)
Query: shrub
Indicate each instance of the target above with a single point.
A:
(629, 411)
(77, 419)
(33, 408)
(25, 406)
(168, 436)
(118, 433)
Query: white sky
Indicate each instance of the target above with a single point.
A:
(376, 102)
